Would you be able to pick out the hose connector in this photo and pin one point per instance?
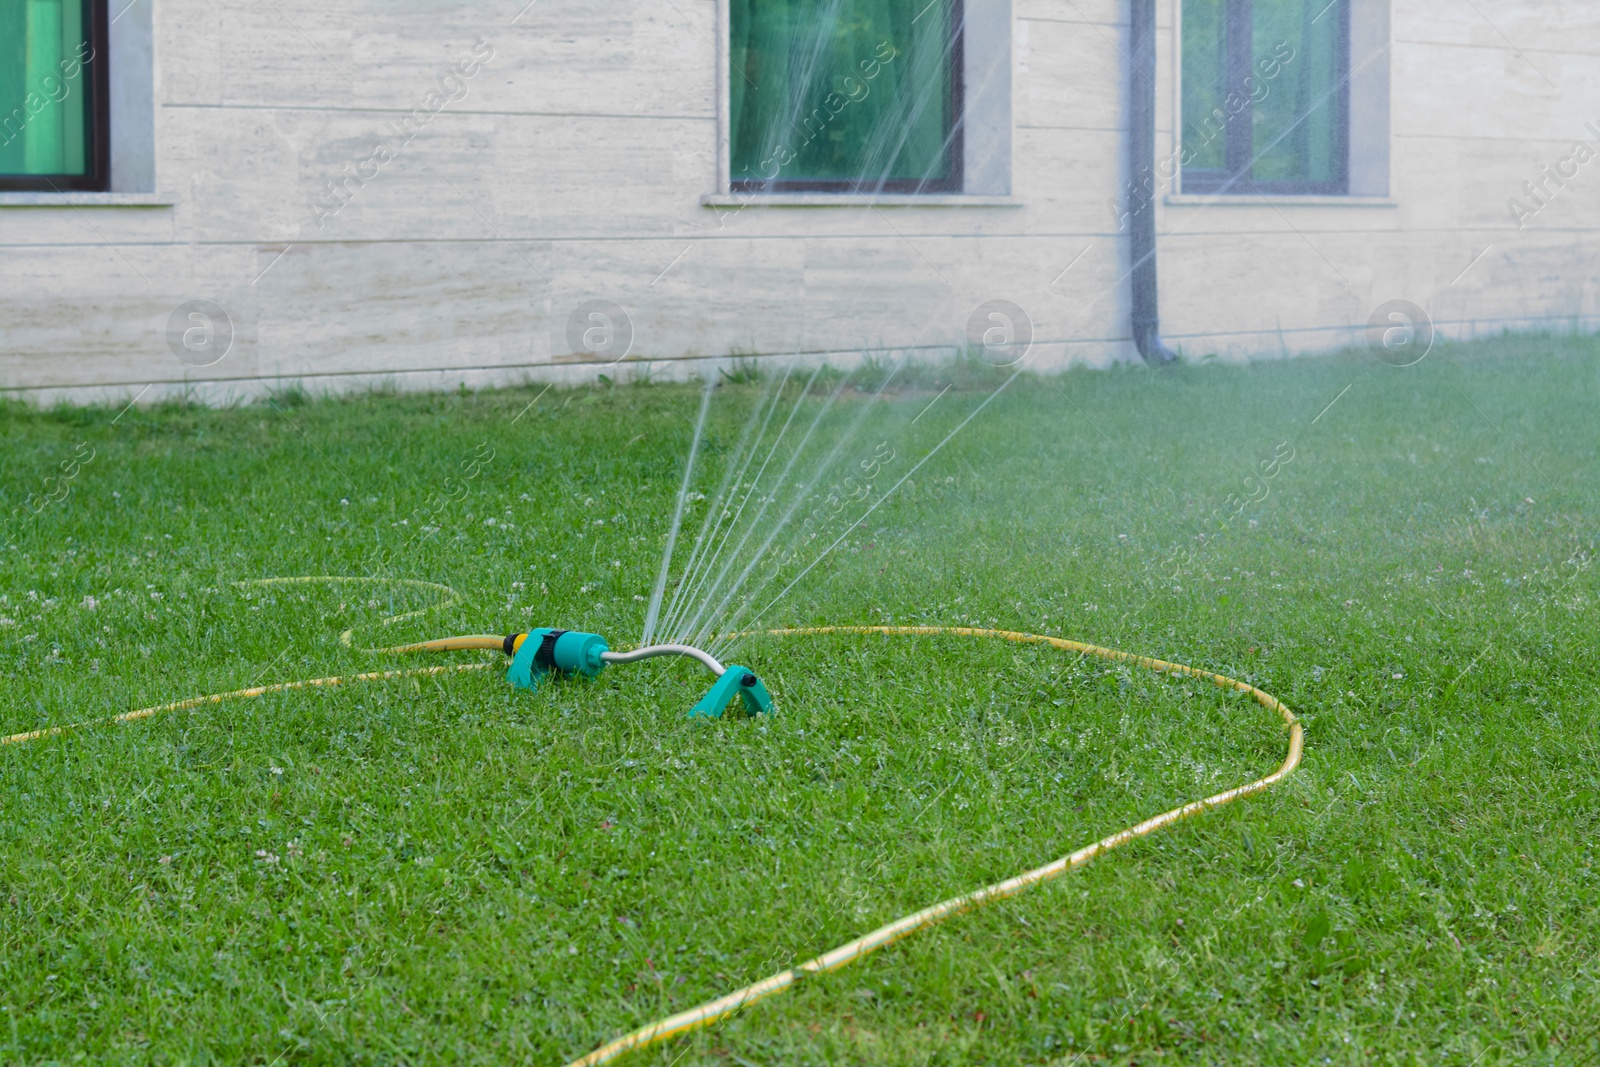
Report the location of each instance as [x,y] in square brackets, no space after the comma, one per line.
[538,652]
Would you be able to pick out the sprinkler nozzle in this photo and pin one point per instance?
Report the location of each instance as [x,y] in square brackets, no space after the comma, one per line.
[735,680]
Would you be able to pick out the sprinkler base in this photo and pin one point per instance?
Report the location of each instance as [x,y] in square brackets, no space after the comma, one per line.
[736,680]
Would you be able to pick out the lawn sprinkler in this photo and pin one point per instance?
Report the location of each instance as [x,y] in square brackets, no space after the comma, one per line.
[540,652]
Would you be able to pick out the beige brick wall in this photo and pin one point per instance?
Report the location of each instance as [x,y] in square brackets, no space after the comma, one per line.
[571,166]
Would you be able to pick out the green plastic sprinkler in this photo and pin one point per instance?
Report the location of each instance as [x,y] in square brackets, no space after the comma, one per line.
[539,652]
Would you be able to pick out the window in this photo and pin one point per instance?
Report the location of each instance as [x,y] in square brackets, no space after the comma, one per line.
[53,95]
[1266,97]
[846,96]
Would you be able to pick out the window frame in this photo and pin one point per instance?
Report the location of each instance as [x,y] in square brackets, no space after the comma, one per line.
[955,143]
[96,85]
[1239,148]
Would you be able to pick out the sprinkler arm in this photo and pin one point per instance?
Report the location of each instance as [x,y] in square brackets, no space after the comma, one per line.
[652,651]
[730,680]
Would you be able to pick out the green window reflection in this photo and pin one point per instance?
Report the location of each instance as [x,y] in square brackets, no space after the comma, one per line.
[845,95]
[51,114]
[1265,96]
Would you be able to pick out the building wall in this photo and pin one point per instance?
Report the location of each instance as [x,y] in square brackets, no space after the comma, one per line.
[571,165]
[1481,96]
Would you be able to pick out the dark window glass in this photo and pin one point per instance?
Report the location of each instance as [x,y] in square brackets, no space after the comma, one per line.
[1265,95]
[52,95]
[845,95]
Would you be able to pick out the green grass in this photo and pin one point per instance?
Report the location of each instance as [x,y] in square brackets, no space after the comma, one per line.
[445,869]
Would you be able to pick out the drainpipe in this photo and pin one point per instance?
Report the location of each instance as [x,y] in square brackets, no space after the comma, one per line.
[1142,190]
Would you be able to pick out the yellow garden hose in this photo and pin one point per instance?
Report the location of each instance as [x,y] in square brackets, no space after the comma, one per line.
[240,694]
[713,1011]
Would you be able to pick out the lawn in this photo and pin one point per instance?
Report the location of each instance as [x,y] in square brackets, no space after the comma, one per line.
[444,868]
